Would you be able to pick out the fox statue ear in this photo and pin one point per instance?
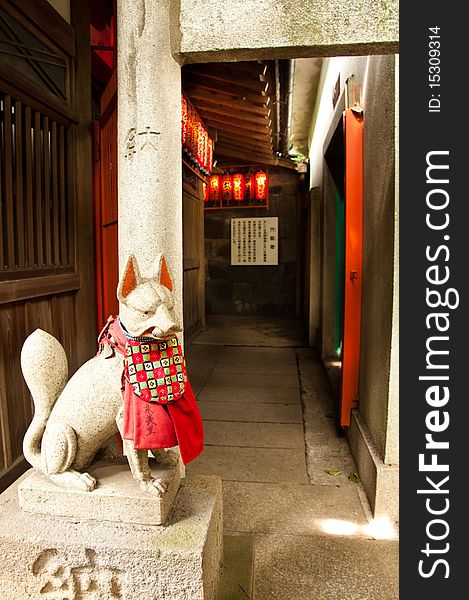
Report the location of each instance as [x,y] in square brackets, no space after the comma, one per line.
[130,279]
[162,273]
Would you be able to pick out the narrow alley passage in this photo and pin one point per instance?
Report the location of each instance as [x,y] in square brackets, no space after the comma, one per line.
[296,527]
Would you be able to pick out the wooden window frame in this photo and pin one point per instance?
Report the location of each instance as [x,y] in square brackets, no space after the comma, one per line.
[44,22]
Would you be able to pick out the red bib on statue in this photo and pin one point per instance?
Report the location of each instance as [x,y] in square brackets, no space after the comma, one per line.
[160,409]
[156,370]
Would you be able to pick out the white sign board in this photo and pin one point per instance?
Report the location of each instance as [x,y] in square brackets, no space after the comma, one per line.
[254,241]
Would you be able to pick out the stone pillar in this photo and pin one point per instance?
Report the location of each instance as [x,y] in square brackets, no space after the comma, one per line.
[149,139]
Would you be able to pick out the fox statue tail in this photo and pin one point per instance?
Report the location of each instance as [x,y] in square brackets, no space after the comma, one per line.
[45,370]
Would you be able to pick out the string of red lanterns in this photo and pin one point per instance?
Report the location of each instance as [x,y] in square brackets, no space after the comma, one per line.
[198,149]
[237,187]
[196,143]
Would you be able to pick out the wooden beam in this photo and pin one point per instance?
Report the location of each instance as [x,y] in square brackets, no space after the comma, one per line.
[46,190]
[245,159]
[254,71]
[244,144]
[275,125]
[28,172]
[17,290]
[240,152]
[245,148]
[286,164]
[258,108]
[252,67]
[262,137]
[230,89]
[8,180]
[257,158]
[44,16]
[222,75]
[235,153]
[14,83]
[236,120]
[240,115]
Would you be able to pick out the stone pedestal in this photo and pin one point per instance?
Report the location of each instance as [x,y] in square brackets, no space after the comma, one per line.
[117,496]
[46,556]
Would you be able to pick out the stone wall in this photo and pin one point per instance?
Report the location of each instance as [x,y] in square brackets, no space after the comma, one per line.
[260,29]
[379,197]
[255,290]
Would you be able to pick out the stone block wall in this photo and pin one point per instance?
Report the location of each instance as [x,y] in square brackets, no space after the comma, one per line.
[255,289]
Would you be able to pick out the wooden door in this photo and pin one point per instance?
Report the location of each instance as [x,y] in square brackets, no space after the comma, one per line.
[353,132]
[193,250]
[105,201]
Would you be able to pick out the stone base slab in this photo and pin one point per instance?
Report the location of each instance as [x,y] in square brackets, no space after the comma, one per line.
[380,481]
[117,496]
[45,556]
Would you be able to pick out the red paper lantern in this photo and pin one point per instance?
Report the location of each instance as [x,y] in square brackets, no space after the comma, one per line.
[227,188]
[209,155]
[184,120]
[205,190]
[208,163]
[214,192]
[249,186]
[190,120]
[238,187]
[201,145]
[205,160]
[261,185]
[194,135]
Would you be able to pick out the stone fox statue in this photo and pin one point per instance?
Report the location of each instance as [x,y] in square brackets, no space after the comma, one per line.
[137,384]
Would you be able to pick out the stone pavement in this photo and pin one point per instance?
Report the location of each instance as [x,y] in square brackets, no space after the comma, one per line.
[292,530]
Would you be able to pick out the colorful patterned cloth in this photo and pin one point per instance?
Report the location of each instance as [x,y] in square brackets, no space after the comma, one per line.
[160,409]
[156,370]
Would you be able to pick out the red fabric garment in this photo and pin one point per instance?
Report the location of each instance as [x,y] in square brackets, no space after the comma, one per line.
[151,425]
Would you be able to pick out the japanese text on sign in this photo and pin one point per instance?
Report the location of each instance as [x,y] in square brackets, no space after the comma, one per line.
[254,241]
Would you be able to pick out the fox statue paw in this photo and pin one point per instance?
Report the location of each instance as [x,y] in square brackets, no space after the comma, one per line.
[153,486]
[74,479]
[88,482]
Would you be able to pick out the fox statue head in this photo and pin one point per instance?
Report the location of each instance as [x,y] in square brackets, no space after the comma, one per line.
[147,302]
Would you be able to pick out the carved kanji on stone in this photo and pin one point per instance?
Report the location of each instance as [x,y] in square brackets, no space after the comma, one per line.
[60,580]
[138,140]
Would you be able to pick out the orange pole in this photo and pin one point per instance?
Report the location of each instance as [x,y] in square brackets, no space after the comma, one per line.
[353,123]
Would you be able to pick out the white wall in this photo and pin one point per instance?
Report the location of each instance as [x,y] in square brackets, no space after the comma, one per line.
[323,115]
[324,110]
